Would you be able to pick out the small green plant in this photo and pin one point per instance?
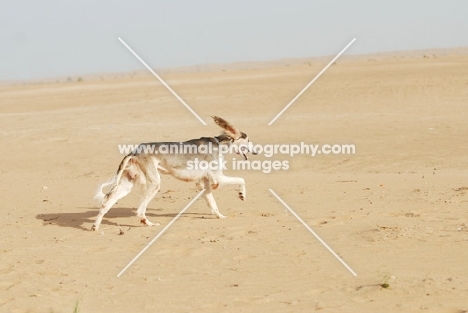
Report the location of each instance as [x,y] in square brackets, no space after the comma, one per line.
[384,281]
[79,79]
[77,307]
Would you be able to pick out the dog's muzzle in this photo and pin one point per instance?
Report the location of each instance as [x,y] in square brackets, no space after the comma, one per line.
[246,148]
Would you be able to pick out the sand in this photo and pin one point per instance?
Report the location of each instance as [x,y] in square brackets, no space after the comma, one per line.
[396,211]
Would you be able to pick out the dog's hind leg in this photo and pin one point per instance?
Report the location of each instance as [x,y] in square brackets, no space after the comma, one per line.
[153,184]
[210,198]
[151,191]
[123,188]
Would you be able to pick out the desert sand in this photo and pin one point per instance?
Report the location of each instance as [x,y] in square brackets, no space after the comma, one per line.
[396,211]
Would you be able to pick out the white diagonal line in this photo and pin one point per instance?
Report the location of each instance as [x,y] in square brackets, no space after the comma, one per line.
[311,82]
[313,233]
[162,81]
[160,233]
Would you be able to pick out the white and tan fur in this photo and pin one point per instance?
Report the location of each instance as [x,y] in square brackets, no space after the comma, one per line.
[145,169]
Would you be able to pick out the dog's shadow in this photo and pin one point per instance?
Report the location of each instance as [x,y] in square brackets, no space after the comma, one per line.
[84,219]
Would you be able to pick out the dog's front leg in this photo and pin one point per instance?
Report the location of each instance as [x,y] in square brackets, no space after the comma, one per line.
[210,198]
[227,180]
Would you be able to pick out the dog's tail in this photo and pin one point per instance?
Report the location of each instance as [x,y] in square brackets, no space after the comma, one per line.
[113,182]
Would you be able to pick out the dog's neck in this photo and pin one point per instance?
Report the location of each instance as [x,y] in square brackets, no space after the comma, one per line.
[223,139]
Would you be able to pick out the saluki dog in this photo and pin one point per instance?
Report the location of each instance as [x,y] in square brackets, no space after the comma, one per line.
[145,163]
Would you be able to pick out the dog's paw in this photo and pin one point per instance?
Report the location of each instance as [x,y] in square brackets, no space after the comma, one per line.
[241,196]
[94,228]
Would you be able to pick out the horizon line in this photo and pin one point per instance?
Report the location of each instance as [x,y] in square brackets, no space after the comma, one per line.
[214,67]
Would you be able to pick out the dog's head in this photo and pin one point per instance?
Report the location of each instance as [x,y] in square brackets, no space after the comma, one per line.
[237,138]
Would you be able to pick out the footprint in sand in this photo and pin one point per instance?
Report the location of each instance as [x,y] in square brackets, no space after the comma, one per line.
[4,286]
[5,301]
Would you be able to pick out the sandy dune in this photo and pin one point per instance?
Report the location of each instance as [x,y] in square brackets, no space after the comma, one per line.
[396,211]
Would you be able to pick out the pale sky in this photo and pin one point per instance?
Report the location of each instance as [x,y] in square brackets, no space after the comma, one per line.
[50,38]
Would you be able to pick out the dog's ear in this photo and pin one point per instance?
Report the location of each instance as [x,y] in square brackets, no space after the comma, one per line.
[230,130]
